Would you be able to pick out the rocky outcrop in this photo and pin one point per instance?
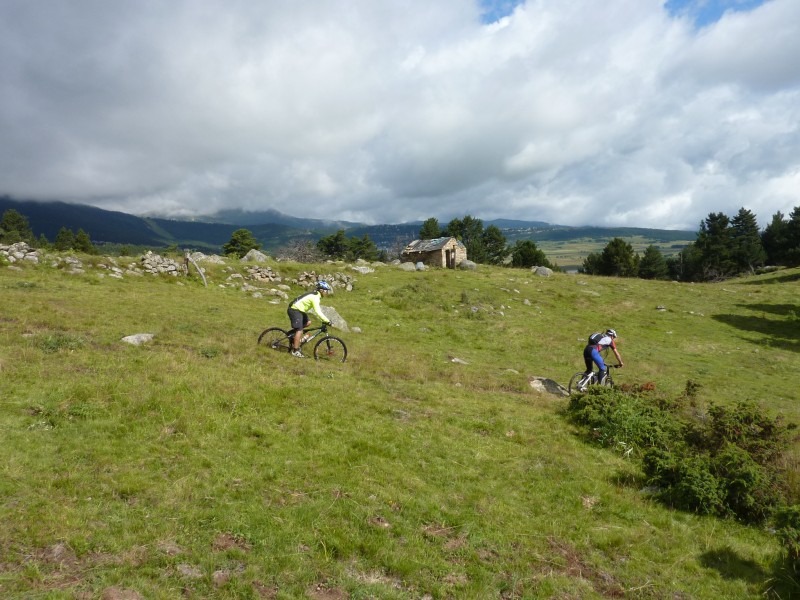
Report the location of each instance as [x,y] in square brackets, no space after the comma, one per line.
[20,252]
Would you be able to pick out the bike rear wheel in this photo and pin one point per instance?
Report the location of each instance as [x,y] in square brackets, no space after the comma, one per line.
[330,348]
[575,382]
[275,338]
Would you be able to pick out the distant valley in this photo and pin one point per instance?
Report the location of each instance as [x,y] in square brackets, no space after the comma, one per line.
[565,245]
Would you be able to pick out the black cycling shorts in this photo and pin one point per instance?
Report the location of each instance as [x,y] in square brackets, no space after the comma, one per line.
[298,318]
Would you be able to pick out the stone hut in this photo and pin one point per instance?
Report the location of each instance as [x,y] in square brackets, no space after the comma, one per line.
[444,252]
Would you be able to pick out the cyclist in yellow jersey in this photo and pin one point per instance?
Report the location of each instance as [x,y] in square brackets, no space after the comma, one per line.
[299,309]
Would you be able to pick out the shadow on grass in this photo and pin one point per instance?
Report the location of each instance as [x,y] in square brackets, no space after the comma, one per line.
[779,279]
[732,566]
[783,332]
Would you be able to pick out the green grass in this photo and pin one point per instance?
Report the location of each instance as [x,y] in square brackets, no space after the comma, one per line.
[202,465]
[570,254]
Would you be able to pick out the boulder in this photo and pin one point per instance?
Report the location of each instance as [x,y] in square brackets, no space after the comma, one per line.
[548,386]
[137,339]
[255,256]
[467,265]
[336,320]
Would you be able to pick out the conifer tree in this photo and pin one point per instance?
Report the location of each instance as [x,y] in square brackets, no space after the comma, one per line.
[714,243]
[14,228]
[653,265]
[83,243]
[747,250]
[65,239]
[241,242]
[775,239]
[430,229]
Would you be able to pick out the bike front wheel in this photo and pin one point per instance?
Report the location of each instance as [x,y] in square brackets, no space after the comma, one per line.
[275,338]
[575,383]
[330,348]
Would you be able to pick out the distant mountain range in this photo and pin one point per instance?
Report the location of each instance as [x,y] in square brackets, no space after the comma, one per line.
[271,228]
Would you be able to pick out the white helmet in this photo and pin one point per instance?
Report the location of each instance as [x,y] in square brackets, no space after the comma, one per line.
[611,333]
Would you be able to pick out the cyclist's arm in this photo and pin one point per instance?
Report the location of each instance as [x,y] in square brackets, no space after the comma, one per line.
[318,309]
[616,353]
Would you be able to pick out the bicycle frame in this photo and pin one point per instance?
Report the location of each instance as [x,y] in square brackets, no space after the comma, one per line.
[304,340]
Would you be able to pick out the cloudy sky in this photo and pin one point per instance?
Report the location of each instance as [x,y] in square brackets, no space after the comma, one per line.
[649,113]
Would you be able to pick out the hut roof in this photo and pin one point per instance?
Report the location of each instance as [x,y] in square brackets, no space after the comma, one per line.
[430,245]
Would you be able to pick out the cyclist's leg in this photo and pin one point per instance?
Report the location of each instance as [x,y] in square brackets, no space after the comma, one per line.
[598,360]
[299,320]
[588,360]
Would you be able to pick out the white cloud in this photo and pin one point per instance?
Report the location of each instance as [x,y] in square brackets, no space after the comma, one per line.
[568,112]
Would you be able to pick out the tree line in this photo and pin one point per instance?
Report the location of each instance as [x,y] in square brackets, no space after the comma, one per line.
[725,247]
[14,228]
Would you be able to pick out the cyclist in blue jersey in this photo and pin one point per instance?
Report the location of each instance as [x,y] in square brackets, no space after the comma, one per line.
[591,353]
[299,309]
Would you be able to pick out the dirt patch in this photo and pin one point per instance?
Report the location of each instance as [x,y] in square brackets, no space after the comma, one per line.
[117,593]
[574,566]
[321,591]
[228,541]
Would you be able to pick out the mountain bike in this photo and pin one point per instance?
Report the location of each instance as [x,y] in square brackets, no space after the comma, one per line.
[580,381]
[327,348]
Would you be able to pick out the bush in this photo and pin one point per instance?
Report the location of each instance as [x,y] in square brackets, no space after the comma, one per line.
[630,421]
[725,461]
[787,524]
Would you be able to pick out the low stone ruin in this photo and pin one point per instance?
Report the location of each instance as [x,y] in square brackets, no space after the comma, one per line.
[19,251]
[339,280]
[155,263]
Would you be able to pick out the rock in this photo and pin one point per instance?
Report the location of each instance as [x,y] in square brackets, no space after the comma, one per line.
[138,339]
[467,265]
[255,256]
[407,266]
[363,270]
[545,385]
[336,320]
[542,271]
[420,266]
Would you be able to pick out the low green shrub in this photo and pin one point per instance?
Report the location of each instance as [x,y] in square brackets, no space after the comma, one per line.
[724,461]
[787,525]
[624,420]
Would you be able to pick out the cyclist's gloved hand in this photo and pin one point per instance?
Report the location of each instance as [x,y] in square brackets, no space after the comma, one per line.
[325,326]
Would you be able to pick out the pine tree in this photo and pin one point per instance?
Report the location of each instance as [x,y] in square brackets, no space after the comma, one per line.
[430,229]
[793,238]
[14,228]
[747,249]
[241,242]
[526,254]
[83,243]
[619,259]
[775,239]
[653,265]
[714,242]
[334,246]
[495,246]
[65,239]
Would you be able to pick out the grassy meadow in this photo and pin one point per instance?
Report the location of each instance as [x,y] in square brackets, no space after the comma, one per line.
[201,465]
[570,254]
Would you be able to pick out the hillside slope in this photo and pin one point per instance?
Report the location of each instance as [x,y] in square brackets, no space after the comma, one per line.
[204,465]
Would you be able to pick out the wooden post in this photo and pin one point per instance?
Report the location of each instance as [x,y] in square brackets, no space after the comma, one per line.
[188,259]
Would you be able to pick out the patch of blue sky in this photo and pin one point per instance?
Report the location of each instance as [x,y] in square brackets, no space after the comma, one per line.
[494,10]
[706,12]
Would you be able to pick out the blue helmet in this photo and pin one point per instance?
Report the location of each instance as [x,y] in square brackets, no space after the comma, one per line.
[324,285]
